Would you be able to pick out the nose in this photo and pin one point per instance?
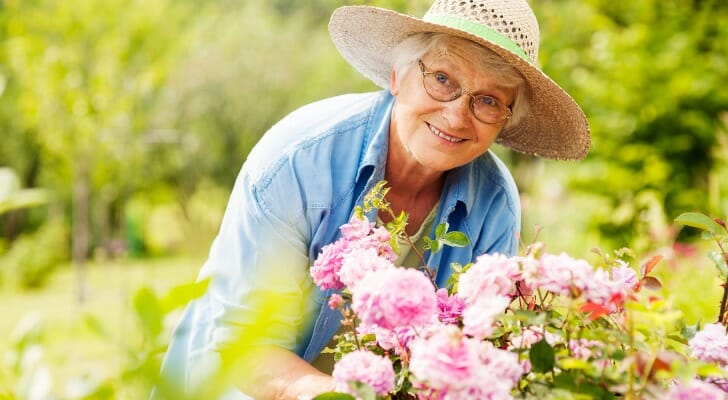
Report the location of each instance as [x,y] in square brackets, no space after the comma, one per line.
[457,112]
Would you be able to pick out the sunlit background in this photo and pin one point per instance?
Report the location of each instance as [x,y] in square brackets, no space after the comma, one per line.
[124,123]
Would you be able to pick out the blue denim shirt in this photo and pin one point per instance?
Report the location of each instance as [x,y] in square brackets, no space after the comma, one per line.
[299,184]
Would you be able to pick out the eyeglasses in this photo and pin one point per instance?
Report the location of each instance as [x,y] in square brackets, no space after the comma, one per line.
[486,109]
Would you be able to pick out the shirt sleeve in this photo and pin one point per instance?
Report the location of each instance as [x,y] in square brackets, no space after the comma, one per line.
[260,289]
[500,230]
[505,234]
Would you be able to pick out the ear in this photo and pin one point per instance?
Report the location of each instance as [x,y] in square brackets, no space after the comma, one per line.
[394,83]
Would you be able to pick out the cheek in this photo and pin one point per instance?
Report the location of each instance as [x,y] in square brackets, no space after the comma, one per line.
[418,108]
[487,137]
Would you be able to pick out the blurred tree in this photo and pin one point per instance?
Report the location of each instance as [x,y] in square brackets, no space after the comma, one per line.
[82,75]
[14,197]
[102,101]
[253,69]
[649,75]
[321,9]
[231,89]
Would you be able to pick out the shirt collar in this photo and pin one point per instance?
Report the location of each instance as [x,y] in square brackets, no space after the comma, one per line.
[374,157]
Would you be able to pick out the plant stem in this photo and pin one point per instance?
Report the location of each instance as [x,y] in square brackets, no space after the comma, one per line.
[722,317]
[356,339]
[722,311]
[631,372]
[350,322]
[430,272]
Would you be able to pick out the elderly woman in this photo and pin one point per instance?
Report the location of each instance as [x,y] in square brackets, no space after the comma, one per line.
[457,81]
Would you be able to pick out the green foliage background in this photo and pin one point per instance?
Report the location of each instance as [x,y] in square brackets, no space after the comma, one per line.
[134,118]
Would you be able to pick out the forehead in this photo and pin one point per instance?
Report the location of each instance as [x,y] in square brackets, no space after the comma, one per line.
[467,55]
[460,50]
[467,69]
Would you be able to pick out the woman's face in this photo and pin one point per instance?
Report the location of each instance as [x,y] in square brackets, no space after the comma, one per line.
[443,135]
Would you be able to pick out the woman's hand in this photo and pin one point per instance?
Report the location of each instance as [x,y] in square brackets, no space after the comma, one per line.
[278,374]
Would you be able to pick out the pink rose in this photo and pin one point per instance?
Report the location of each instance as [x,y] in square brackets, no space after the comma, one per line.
[478,318]
[358,262]
[395,297]
[335,301]
[366,367]
[491,274]
[450,307]
[710,344]
[695,390]
[325,269]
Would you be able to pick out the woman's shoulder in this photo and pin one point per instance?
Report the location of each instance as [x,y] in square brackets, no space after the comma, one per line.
[341,107]
[495,185]
[492,171]
[342,112]
[338,121]
[315,158]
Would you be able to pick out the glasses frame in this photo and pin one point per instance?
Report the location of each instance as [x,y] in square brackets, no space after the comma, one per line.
[425,72]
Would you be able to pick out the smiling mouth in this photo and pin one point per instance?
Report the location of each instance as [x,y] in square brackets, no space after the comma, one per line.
[440,134]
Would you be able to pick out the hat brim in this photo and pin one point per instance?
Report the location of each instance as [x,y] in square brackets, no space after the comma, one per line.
[555,127]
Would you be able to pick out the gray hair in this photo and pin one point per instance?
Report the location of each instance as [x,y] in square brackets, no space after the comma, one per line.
[414,47]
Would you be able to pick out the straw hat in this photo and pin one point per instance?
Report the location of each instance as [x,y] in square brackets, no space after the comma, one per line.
[555,127]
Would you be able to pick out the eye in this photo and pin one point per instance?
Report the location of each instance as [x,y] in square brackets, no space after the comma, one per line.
[487,101]
[442,78]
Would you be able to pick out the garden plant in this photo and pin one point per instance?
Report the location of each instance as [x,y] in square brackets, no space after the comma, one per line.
[536,325]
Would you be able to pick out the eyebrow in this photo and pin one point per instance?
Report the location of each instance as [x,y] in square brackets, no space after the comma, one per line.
[447,64]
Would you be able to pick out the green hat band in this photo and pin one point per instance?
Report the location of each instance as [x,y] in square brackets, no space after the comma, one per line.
[479,30]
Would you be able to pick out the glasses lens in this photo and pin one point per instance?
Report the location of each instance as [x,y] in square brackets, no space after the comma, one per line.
[440,87]
[488,109]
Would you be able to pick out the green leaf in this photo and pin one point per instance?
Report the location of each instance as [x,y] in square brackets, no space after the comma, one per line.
[363,391]
[400,221]
[359,212]
[689,331]
[93,323]
[574,363]
[456,239]
[719,262]
[434,246]
[394,243]
[441,229]
[710,370]
[618,355]
[566,381]
[23,198]
[577,388]
[678,338]
[594,391]
[700,221]
[334,396]
[542,357]
[149,311]
[530,317]
[456,267]
[181,295]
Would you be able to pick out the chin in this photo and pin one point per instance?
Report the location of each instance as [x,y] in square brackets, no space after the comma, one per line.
[437,166]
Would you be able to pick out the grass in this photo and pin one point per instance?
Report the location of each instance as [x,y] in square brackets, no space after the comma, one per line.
[70,346]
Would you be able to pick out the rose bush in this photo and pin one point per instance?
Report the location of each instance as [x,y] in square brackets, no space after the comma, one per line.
[537,325]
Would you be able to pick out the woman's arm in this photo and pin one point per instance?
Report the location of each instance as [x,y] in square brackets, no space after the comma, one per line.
[263,299]
[270,372]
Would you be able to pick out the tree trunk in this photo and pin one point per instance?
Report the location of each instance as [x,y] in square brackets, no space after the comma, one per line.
[81,228]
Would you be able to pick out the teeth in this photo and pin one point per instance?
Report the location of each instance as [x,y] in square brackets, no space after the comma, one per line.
[444,136]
